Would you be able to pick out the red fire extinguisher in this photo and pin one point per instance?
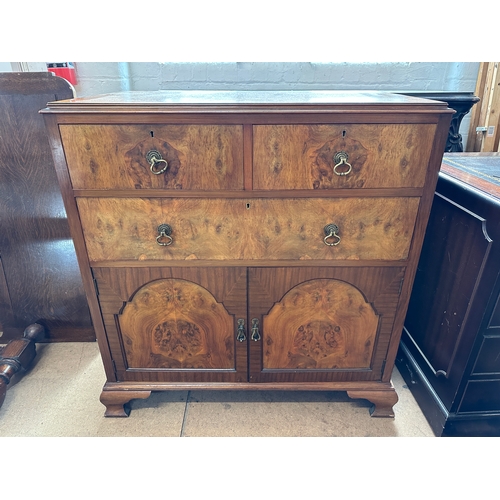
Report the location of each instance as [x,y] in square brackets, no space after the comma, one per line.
[65,70]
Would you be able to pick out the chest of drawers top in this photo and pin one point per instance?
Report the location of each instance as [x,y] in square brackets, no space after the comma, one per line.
[238,100]
[247,140]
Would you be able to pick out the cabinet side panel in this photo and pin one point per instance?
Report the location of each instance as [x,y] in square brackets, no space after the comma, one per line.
[38,255]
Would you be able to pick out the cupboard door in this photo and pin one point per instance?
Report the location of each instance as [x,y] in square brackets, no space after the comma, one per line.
[175,324]
[321,324]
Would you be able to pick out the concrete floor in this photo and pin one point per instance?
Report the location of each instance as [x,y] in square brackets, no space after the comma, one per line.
[59,397]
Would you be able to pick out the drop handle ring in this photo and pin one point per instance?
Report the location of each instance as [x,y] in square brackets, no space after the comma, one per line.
[240,333]
[157,164]
[255,330]
[341,158]
[164,239]
[331,231]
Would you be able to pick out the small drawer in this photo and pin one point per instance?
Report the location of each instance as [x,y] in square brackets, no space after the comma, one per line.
[193,157]
[488,358]
[481,396]
[341,156]
[254,229]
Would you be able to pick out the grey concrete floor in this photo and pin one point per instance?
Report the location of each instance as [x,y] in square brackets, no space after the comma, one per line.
[59,397]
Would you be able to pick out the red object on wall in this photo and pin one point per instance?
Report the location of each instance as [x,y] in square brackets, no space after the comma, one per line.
[65,70]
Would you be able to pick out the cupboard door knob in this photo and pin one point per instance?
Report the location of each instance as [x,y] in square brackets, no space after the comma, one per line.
[240,334]
[331,231]
[341,158]
[164,239]
[157,164]
[255,330]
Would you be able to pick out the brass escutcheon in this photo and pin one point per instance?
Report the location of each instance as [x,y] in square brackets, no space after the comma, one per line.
[164,239]
[341,158]
[331,231]
[154,158]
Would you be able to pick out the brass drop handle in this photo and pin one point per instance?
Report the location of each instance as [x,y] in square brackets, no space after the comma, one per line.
[331,231]
[164,239]
[255,330]
[240,333]
[157,164]
[340,159]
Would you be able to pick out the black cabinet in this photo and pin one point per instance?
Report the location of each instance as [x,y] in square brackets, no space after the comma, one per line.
[450,349]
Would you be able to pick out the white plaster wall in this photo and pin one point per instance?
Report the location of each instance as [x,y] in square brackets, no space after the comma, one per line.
[98,78]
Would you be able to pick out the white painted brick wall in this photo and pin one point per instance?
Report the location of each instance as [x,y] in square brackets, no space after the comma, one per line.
[99,78]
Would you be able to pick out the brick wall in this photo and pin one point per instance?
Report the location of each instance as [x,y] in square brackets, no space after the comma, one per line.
[99,78]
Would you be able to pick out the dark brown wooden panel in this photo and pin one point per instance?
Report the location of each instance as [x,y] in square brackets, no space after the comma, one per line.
[488,359]
[481,395]
[41,273]
[439,331]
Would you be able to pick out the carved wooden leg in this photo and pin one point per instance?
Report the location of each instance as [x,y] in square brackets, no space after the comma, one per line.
[383,400]
[17,355]
[116,402]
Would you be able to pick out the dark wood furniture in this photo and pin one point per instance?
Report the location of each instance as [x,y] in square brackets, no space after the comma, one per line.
[248,240]
[462,103]
[39,276]
[450,348]
[17,356]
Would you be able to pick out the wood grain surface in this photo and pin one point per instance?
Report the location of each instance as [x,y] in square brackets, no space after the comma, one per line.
[302,156]
[114,156]
[249,189]
[40,279]
[296,304]
[175,323]
[223,289]
[320,324]
[221,229]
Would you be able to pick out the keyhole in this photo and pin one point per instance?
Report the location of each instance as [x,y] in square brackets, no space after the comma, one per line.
[152,133]
[248,206]
[344,133]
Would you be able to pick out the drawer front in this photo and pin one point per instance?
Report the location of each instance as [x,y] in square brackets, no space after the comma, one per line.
[235,229]
[481,396]
[197,157]
[311,156]
[488,359]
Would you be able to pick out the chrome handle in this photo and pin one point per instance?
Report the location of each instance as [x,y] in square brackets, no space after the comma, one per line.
[154,159]
[331,231]
[341,158]
[164,239]
[240,334]
[255,330]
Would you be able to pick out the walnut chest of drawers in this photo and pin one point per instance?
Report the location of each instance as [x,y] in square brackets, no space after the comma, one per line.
[248,240]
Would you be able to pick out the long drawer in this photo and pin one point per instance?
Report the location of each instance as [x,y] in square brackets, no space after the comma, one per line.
[129,229]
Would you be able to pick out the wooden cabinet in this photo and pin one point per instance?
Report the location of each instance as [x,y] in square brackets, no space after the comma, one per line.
[40,280]
[251,240]
[450,349]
